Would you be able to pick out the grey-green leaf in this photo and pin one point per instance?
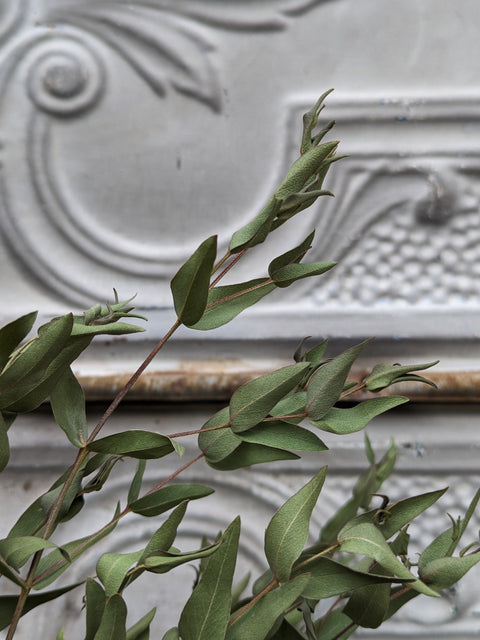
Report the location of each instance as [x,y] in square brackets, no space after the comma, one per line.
[136,484]
[12,334]
[16,551]
[140,630]
[164,499]
[248,454]
[289,274]
[8,604]
[114,619]
[68,406]
[443,573]
[365,539]
[255,622]
[206,613]
[226,302]
[113,567]
[95,605]
[287,531]
[253,401]
[283,435]
[134,444]
[343,421]
[384,375]
[326,384]
[368,606]
[191,282]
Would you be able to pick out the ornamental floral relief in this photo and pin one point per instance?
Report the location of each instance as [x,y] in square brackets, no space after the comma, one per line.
[78,86]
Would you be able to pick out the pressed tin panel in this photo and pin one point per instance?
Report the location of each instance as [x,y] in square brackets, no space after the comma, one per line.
[130,131]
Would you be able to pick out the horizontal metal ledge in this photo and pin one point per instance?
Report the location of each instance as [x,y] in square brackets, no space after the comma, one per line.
[217,380]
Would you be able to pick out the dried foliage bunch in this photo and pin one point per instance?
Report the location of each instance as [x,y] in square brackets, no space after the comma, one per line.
[357,574]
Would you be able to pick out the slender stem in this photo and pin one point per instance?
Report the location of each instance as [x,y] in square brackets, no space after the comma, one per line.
[221,262]
[357,387]
[286,417]
[259,595]
[177,472]
[194,432]
[332,607]
[126,388]
[227,268]
[317,555]
[347,628]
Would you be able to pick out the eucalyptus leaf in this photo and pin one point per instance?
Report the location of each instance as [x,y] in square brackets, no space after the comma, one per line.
[326,384]
[139,631]
[114,619]
[164,537]
[253,401]
[226,302]
[445,572]
[13,333]
[287,531]
[168,560]
[330,578]
[304,168]
[248,454]
[113,567]
[291,405]
[336,622]
[289,274]
[256,230]
[8,604]
[16,551]
[291,257]
[140,444]
[68,406]
[344,421]
[383,375]
[365,539]
[164,499]
[95,601]
[4,444]
[191,283]
[283,435]
[136,484]
[206,613]
[172,634]
[254,622]
[368,606]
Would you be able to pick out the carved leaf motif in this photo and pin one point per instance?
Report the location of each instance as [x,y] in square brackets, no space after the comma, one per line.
[161,40]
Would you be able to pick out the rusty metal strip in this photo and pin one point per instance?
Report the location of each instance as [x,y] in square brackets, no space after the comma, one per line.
[197,382]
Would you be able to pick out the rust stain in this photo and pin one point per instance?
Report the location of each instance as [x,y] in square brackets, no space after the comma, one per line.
[217,380]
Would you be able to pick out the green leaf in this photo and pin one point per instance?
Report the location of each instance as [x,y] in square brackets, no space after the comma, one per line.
[110,329]
[95,601]
[334,624]
[288,530]
[443,573]
[291,405]
[140,629]
[12,334]
[248,454]
[172,634]
[367,540]
[16,551]
[191,282]
[8,604]
[136,484]
[55,562]
[114,619]
[164,499]
[32,364]
[226,302]
[283,435]
[206,613]
[292,256]
[368,606]
[6,572]
[343,421]
[304,168]
[253,401]
[256,230]
[310,120]
[168,560]
[400,513]
[286,276]
[113,567]
[255,622]
[164,537]
[61,634]
[4,444]
[326,384]
[144,445]
[330,578]
[383,375]
[68,406]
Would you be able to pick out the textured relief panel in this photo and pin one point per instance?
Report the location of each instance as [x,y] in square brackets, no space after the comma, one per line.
[83,205]
[405,222]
